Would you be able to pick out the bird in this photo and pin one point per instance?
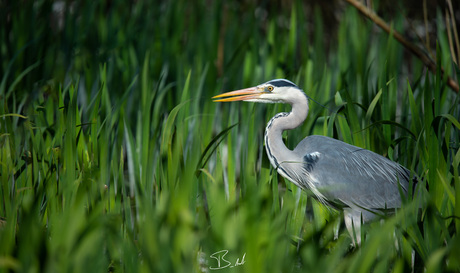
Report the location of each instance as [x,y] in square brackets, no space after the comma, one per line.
[339,175]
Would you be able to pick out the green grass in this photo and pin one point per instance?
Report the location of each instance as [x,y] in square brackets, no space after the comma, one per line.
[114,158]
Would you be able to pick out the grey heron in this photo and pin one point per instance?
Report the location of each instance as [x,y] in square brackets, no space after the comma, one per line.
[338,174]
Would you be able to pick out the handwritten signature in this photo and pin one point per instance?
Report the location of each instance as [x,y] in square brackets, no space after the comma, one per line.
[222,262]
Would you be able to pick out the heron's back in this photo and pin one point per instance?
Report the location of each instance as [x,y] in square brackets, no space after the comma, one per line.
[349,175]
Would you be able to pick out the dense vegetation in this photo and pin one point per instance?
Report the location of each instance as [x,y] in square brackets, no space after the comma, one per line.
[114,158]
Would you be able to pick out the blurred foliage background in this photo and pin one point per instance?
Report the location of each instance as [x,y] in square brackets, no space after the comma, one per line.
[114,158]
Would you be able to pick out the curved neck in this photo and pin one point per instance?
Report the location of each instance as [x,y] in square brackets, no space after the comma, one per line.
[276,149]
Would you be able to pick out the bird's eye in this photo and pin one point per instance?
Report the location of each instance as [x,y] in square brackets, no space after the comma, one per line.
[270,88]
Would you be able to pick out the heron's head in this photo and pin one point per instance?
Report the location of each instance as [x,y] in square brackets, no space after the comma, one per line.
[274,91]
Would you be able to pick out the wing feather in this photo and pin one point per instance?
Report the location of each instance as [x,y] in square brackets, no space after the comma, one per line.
[341,173]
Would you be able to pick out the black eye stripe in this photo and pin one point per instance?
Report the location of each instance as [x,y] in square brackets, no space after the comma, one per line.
[281,83]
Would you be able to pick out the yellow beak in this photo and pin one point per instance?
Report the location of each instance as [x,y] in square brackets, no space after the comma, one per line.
[238,95]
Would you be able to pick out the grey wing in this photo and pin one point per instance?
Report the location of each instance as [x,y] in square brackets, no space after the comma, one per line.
[349,175]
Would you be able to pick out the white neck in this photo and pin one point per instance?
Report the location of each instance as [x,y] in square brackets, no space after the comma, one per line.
[276,149]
